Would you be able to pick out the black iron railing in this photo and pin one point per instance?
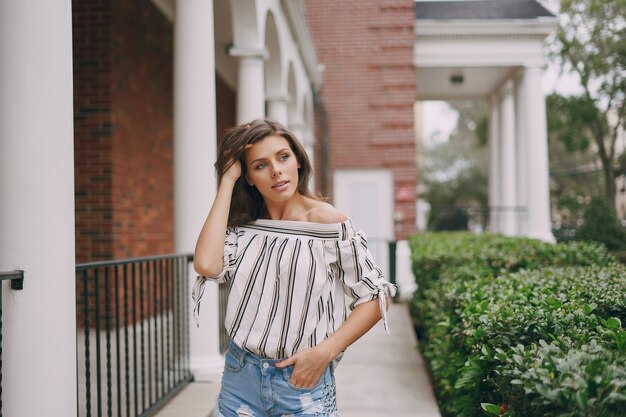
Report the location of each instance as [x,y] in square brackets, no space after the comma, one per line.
[17,283]
[132,334]
[224,290]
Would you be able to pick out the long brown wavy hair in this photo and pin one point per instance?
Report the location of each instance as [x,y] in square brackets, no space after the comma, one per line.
[247,203]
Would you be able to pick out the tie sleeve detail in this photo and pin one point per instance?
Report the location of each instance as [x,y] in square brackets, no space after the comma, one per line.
[385,290]
[361,278]
[230,263]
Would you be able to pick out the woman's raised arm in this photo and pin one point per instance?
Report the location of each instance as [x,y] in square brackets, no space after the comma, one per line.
[209,253]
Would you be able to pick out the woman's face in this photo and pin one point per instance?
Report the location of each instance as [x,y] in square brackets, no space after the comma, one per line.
[273,168]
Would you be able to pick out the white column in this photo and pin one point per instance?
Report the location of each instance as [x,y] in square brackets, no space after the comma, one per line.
[507,157]
[194,156]
[538,183]
[309,146]
[251,83]
[494,166]
[520,158]
[299,129]
[277,107]
[37,208]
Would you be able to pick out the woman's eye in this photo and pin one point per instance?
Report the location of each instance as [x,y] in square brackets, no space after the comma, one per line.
[260,166]
[284,156]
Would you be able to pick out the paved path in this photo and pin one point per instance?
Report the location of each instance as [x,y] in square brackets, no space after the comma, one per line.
[384,375]
[379,376]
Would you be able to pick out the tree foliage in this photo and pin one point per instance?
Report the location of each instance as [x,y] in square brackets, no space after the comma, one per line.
[570,120]
[601,225]
[591,41]
[575,175]
[455,172]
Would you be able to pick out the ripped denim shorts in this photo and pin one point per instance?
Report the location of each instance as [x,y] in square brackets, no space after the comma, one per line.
[253,387]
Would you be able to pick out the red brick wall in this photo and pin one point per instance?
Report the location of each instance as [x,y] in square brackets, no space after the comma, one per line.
[226,105]
[142,157]
[123,104]
[369,88]
[91,30]
[123,130]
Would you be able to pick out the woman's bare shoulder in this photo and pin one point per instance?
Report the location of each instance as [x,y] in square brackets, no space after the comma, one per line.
[323,212]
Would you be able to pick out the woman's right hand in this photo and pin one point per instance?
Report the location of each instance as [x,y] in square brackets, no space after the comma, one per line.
[233,172]
[209,252]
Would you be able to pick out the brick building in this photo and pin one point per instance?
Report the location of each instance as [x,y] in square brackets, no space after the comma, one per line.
[123,128]
[366,49]
[124,110]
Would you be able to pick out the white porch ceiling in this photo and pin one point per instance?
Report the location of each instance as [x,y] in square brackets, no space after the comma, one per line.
[481,54]
[436,83]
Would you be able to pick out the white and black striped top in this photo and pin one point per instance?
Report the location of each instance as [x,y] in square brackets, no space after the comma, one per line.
[292,283]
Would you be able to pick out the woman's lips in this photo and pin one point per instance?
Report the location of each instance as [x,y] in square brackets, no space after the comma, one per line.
[280,186]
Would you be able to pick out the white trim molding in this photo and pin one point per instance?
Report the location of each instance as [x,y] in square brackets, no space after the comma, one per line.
[517,28]
[294,12]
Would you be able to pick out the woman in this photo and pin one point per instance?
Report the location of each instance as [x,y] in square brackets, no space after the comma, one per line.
[294,264]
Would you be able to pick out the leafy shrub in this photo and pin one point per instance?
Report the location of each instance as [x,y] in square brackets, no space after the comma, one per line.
[551,344]
[601,225]
[506,340]
[465,256]
[564,233]
[565,381]
[434,252]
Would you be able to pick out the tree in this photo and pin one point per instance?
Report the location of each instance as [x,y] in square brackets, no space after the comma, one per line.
[601,225]
[454,171]
[591,41]
[575,174]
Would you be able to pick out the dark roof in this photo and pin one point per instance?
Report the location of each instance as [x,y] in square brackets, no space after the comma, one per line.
[480,9]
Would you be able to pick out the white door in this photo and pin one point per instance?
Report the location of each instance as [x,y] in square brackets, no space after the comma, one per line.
[366,196]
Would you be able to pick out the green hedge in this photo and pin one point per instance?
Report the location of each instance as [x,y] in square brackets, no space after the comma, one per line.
[464,256]
[433,253]
[544,341]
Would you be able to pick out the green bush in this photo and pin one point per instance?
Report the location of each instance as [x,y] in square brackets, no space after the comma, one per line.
[601,225]
[466,255]
[548,342]
[512,341]
[434,252]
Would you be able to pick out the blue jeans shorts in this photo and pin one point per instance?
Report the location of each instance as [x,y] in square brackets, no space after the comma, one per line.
[253,387]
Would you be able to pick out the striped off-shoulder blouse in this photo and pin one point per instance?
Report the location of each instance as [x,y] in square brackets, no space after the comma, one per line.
[292,283]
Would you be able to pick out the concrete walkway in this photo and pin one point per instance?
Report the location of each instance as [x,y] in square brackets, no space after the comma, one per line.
[380,375]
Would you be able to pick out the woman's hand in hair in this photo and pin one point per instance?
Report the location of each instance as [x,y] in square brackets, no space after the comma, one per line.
[233,172]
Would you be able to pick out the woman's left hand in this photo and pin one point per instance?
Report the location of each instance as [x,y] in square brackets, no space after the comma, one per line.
[308,365]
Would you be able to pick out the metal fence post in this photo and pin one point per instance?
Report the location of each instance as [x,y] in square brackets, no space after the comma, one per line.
[392,244]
